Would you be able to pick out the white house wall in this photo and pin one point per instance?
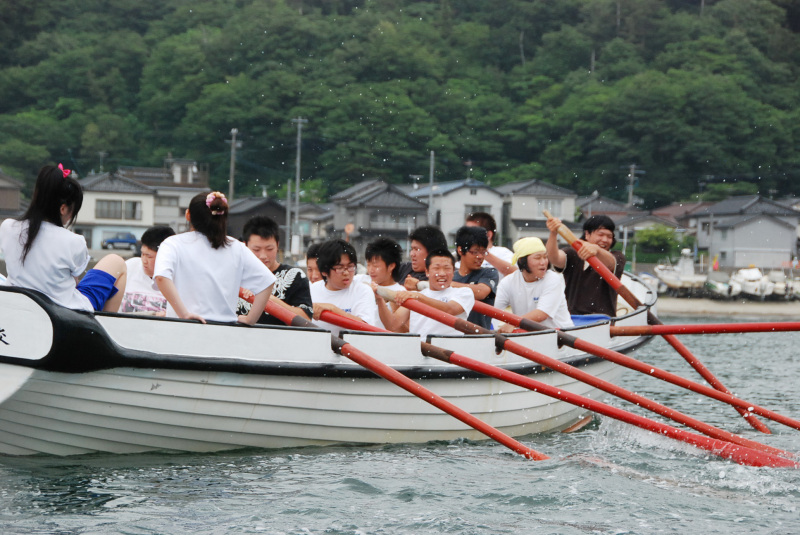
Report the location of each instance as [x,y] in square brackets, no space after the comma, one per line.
[454,204]
[763,243]
[100,227]
[530,207]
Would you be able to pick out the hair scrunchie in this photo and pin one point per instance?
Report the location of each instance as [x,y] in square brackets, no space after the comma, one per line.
[210,199]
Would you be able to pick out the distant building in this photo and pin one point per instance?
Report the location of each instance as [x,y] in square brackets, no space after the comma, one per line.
[375,208]
[113,204]
[174,184]
[10,197]
[596,204]
[523,209]
[242,209]
[453,200]
[748,229]
[681,213]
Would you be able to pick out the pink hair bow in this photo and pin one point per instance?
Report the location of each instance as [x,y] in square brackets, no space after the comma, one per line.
[65,171]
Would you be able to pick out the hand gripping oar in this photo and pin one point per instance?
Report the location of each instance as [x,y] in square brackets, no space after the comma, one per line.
[737,453]
[359,357]
[629,362]
[631,299]
[504,342]
[706,328]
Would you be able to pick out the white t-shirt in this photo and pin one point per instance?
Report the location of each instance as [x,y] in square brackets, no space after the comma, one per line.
[423,325]
[56,258]
[208,279]
[142,295]
[546,294]
[357,299]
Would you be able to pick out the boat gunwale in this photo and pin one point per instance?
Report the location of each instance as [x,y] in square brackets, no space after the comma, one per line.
[107,354]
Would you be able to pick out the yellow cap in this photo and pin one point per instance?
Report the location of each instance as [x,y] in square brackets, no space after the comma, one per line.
[527,246]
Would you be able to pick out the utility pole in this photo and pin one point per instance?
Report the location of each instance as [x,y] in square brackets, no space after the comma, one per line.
[299,121]
[430,194]
[632,172]
[234,145]
[102,155]
[287,245]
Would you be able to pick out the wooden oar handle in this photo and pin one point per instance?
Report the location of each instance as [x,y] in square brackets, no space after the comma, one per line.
[564,231]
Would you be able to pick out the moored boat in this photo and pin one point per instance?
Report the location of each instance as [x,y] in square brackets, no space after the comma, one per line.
[783,285]
[753,282]
[73,382]
[681,279]
[719,285]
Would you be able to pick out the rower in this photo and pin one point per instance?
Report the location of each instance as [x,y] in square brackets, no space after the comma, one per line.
[336,292]
[586,291]
[441,295]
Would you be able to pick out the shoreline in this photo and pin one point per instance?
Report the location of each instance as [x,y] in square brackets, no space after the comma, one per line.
[689,306]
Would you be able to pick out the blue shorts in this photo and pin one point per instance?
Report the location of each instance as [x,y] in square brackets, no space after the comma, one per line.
[98,287]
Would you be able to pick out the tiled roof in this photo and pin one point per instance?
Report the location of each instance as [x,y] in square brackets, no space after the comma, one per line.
[632,219]
[735,221]
[377,194]
[533,187]
[443,188]
[109,183]
[747,204]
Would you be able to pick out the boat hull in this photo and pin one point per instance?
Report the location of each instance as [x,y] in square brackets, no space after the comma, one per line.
[84,383]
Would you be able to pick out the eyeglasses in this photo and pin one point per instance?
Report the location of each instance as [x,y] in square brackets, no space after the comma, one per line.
[340,269]
[477,252]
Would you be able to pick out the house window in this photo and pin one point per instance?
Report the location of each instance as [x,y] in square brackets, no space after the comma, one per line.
[166,201]
[108,210]
[724,234]
[723,255]
[473,191]
[705,226]
[133,210]
[472,208]
[551,205]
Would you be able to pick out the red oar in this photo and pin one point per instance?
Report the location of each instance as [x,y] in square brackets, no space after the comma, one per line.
[737,453]
[706,328]
[348,350]
[631,299]
[647,369]
[504,342]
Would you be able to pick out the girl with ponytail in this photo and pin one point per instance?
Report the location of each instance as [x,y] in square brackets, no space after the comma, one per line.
[200,271]
[43,255]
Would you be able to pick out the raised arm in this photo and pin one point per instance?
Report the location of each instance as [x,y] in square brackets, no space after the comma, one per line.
[557,257]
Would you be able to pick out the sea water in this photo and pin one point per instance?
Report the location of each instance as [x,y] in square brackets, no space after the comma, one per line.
[609,478]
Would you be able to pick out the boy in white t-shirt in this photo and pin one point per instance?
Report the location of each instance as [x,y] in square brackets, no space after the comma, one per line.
[440,267]
[384,257]
[142,295]
[534,291]
[336,292]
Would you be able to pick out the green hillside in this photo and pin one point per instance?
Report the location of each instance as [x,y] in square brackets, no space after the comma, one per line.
[570,91]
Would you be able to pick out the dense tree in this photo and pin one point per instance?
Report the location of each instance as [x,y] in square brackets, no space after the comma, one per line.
[571,91]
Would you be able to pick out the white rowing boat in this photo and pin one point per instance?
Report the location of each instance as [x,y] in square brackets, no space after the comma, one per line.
[74,383]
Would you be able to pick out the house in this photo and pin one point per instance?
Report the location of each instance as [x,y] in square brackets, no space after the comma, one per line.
[523,206]
[680,213]
[748,229]
[242,209]
[174,184]
[375,208]
[629,225]
[737,206]
[10,197]
[113,204]
[760,240]
[454,200]
[596,204]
